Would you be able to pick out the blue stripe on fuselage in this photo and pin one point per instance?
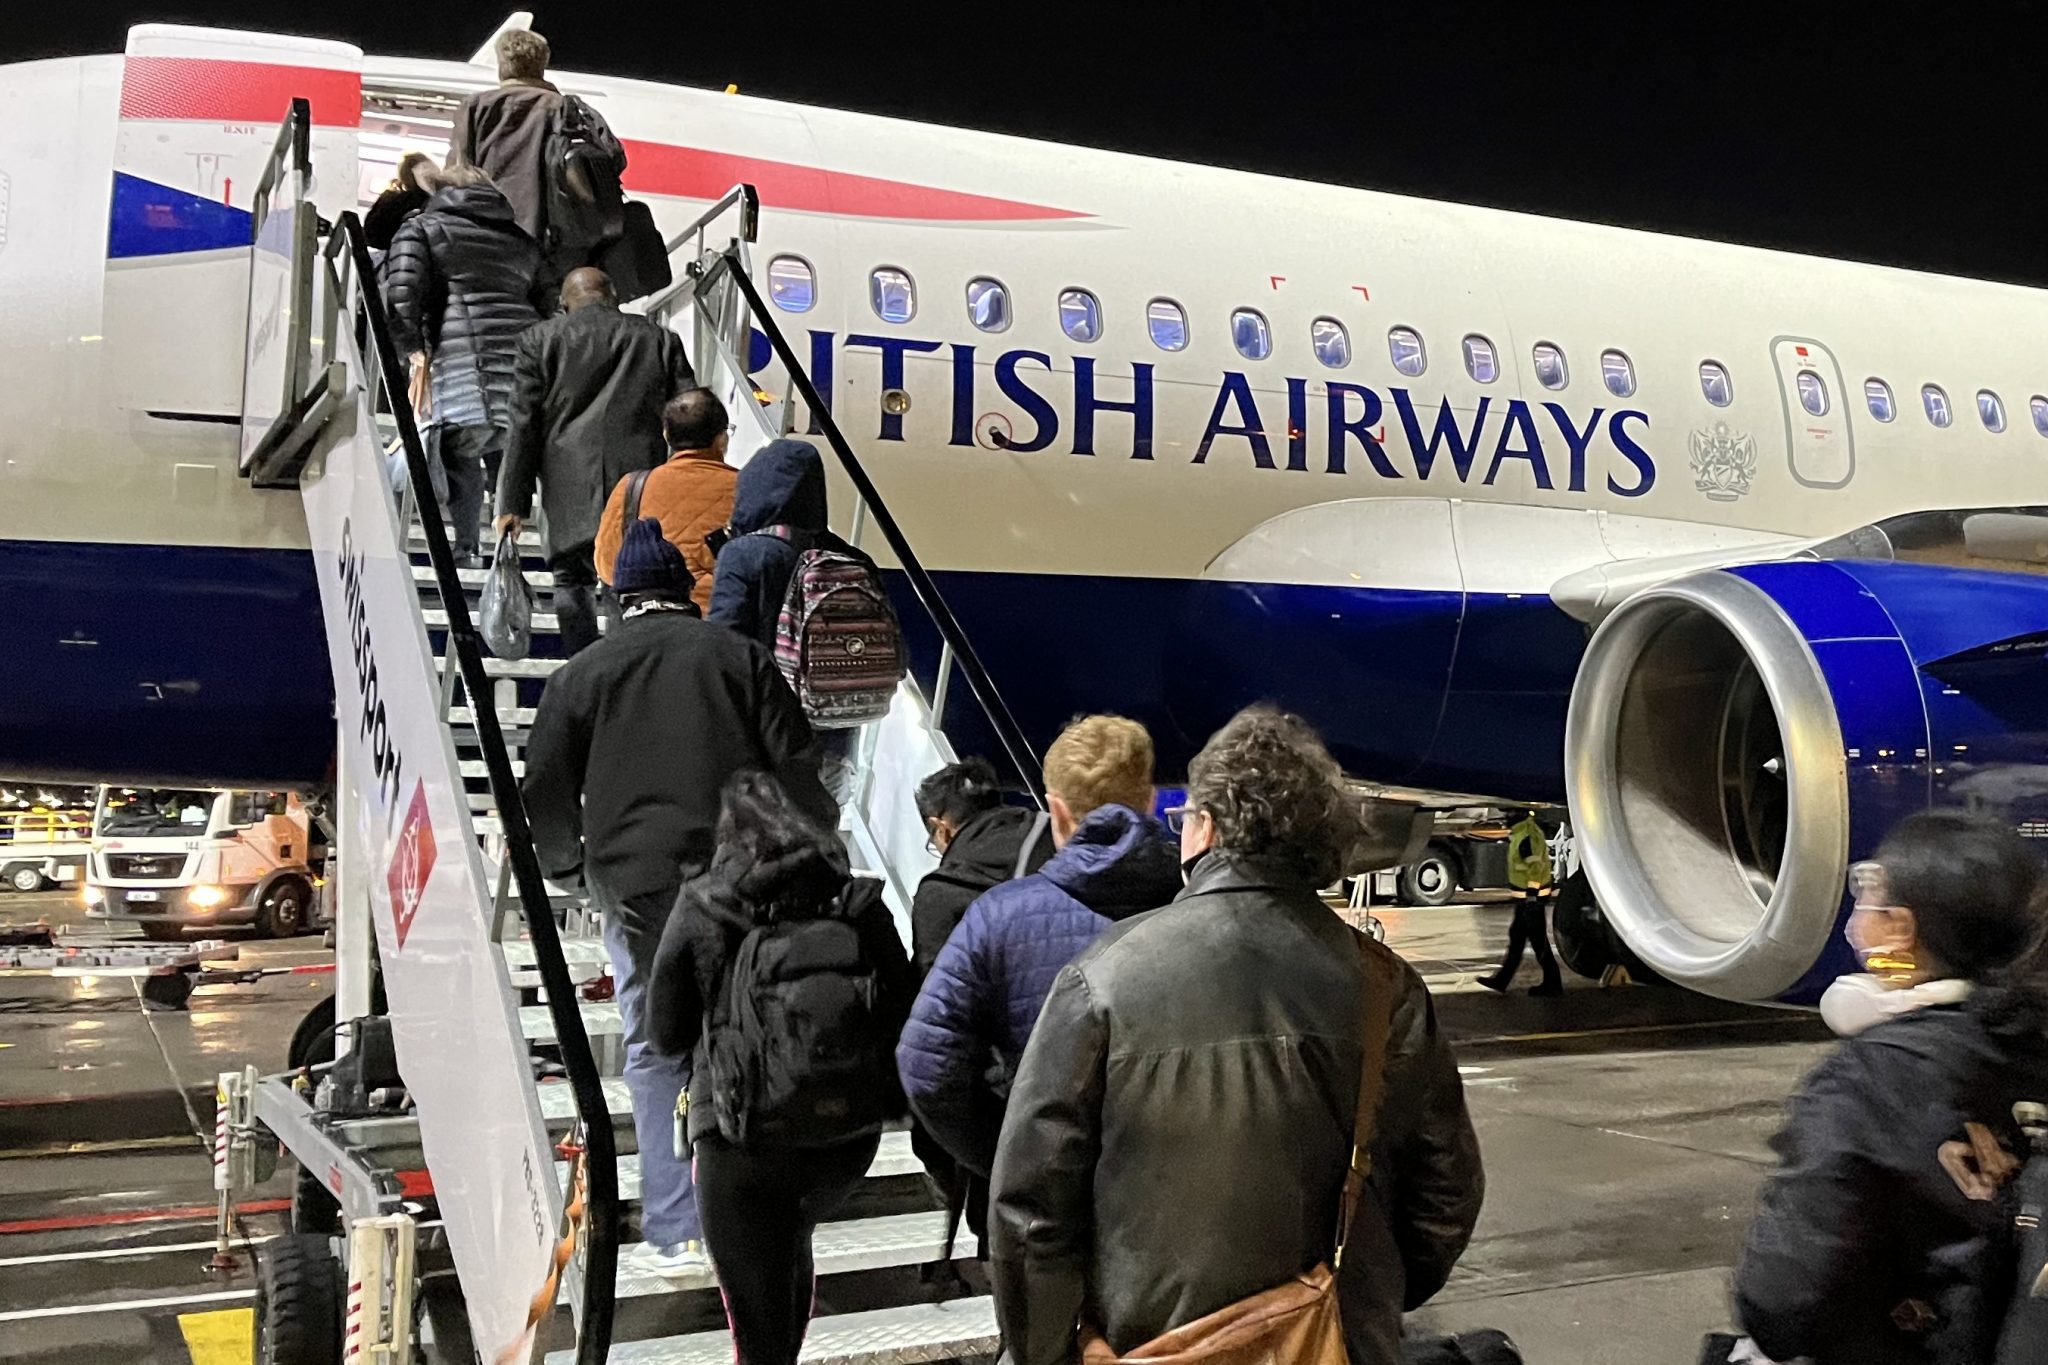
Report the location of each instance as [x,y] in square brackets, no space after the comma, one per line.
[193,665]
[148,219]
[1459,692]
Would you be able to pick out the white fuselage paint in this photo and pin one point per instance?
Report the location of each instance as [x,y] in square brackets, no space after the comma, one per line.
[75,465]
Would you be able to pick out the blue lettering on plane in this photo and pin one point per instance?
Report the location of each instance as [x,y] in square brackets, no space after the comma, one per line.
[1444,442]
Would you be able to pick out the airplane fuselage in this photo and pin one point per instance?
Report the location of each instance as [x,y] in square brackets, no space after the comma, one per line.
[1223,438]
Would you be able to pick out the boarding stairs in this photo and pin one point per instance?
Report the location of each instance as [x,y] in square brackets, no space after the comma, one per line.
[510,1055]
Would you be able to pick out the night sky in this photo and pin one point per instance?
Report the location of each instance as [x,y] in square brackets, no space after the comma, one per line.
[1893,133]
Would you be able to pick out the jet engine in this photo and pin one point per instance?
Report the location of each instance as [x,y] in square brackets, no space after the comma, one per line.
[1738,738]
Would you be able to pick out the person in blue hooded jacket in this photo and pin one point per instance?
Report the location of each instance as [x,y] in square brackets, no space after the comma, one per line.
[977,1006]
[778,512]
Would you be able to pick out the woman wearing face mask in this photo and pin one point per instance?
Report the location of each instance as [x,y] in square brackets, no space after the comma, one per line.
[1880,1239]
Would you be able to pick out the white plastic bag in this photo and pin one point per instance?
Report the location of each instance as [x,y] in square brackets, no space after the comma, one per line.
[506,614]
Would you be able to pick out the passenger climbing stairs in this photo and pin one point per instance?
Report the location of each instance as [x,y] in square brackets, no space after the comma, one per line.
[515,1157]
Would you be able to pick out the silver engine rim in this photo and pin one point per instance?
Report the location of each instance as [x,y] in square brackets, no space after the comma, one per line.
[1794,926]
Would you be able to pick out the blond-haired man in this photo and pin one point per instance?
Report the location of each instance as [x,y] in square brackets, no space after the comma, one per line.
[976,1009]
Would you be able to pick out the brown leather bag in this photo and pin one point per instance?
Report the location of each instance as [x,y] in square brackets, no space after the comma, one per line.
[1295,1323]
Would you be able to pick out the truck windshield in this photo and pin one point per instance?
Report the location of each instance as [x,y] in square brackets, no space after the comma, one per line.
[155,810]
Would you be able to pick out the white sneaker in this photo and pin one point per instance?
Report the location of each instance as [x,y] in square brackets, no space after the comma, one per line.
[683,1260]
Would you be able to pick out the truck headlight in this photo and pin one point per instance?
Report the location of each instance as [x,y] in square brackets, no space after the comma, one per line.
[91,895]
[206,897]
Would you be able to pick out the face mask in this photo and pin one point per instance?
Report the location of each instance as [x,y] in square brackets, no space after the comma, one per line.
[1855,1003]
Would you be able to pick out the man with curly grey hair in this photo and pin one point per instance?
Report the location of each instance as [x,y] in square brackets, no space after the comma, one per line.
[1179,1130]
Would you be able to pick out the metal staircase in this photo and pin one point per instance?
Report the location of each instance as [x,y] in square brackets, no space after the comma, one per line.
[516,1156]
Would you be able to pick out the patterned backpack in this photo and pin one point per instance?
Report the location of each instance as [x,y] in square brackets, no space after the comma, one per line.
[837,641]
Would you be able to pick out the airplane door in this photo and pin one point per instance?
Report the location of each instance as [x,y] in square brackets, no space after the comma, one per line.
[1819,439]
[199,113]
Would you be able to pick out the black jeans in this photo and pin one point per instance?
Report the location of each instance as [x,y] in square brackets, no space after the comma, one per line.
[575,598]
[759,1206]
[462,461]
[1531,930]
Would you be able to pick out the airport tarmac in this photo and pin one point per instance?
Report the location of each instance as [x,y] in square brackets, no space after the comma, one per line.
[1624,1130]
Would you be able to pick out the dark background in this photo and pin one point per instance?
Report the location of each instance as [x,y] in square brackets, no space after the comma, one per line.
[1910,135]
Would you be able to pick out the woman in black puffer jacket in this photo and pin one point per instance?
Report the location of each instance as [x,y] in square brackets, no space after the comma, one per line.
[458,282]
[1883,1237]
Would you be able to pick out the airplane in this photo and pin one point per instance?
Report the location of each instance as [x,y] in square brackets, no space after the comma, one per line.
[1728,550]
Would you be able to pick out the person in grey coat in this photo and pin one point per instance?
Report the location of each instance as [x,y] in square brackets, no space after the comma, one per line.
[458,283]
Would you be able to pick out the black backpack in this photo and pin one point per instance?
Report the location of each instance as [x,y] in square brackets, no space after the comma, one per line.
[583,167]
[2024,1337]
[799,1059]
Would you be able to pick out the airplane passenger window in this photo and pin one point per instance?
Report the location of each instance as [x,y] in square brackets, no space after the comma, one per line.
[988,304]
[1167,323]
[1715,383]
[893,295]
[1253,337]
[1935,399]
[1404,346]
[1480,361]
[1080,315]
[1331,342]
[1813,392]
[1550,367]
[1619,373]
[1991,408]
[790,284]
[1878,395]
[2039,406]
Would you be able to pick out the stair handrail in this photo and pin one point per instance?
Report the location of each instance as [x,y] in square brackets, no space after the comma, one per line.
[1008,732]
[601,1219]
[742,196]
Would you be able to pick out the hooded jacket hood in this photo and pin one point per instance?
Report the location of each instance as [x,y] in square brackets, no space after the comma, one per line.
[1119,863]
[783,485]
[484,204]
[984,853]
[744,888]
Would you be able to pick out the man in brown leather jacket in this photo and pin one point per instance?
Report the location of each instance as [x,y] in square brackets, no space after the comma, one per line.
[1178,1132]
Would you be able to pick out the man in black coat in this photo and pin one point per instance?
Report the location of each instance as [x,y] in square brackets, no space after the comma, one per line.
[588,386]
[458,282]
[634,740]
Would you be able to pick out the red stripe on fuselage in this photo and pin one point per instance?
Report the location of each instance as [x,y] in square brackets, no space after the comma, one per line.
[693,173]
[206,90]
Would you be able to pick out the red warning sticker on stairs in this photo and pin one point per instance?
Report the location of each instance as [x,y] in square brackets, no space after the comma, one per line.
[411,863]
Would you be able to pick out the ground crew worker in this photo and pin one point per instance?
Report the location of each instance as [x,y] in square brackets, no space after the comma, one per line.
[1529,873]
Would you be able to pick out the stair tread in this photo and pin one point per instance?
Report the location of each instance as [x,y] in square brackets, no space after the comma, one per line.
[598,1019]
[509,717]
[906,1335]
[558,1101]
[475,578]
[544,622]
[511,668]
[892,1158]
[476,767]
[575,951]
[840,1248]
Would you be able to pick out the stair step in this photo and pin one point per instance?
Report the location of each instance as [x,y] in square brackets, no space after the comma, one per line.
[416,539]
[511,668]
[509,717]
[893,1158]
[843,1248]
[576,952]
[476,767]
[598,1020]
[558,1103]
[909,1335]
[544,622]
[474,578]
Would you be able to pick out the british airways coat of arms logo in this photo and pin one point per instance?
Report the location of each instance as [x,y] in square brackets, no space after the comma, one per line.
[1723,462]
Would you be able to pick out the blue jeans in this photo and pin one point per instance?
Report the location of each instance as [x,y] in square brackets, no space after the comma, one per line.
[668,1201]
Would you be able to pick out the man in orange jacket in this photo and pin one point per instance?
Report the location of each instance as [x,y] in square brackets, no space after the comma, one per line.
[691,495]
